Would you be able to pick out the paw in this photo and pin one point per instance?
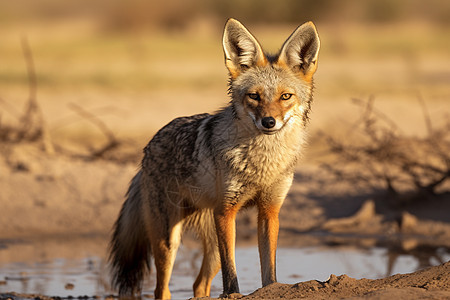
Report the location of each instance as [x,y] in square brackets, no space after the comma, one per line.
[231,296]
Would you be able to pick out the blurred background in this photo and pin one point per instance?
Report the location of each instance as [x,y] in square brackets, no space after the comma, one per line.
[90,82]
[138,64]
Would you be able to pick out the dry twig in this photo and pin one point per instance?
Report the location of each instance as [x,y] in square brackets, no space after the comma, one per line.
[112,141]
[32,126]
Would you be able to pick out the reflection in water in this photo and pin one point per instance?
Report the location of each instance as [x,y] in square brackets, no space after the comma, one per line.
[79,269]
[425,255]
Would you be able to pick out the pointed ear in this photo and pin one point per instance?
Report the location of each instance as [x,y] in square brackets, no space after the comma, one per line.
[241,49]
[300,51]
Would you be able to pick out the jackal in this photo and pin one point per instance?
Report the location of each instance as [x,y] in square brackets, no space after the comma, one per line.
[199,171]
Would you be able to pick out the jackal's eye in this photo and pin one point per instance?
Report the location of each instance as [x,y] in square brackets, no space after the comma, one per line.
[254,96]
[286,96]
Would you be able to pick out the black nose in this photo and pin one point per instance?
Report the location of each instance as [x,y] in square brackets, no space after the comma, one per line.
[268,122]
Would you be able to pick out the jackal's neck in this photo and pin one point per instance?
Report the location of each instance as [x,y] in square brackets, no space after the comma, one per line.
[254,157]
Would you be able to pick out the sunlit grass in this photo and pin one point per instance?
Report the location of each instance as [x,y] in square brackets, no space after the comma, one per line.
[157,60]
[117,61]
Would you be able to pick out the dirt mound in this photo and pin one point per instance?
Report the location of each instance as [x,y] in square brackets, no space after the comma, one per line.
[431,283]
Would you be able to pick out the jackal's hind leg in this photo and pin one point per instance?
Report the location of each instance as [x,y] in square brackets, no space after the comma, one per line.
[210,267]
[164,252]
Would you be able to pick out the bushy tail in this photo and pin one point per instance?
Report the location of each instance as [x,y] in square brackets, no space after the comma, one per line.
[130,250]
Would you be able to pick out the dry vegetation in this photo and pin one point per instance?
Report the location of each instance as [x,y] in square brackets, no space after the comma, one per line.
[377,155]
[31,126]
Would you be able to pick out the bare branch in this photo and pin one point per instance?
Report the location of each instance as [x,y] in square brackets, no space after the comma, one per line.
[10,109]
[32,126]
[112,141]
[32,81]
[426,115]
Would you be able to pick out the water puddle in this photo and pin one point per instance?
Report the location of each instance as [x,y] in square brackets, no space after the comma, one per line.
[78,268]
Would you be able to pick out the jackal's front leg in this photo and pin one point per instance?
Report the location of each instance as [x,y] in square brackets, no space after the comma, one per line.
[268,226]
[225,220]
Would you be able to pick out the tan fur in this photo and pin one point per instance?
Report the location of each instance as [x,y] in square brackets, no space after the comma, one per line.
[199,171]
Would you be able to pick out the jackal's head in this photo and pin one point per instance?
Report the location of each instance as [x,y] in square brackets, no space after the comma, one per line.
[270,90]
